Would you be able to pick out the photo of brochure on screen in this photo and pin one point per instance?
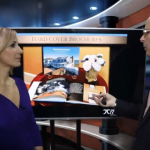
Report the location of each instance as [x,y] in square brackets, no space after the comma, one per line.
[60,90]
[61,60]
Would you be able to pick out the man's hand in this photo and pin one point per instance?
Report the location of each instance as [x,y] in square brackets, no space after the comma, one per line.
[110,100]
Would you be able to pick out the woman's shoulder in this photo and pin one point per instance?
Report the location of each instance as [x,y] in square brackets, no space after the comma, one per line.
[18,81]
[21,86]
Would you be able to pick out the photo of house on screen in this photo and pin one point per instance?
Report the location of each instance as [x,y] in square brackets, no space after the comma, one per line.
[61,61]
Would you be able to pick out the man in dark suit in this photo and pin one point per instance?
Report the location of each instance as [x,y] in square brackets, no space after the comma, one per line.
[134,111]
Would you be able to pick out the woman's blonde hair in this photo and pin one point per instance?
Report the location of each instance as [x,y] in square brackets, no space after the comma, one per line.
[7,36]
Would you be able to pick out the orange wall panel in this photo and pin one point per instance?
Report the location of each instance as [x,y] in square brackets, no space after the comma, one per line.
[134,19]
[126,126]
[86,140]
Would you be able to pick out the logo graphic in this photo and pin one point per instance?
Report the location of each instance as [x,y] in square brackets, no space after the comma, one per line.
[108,111]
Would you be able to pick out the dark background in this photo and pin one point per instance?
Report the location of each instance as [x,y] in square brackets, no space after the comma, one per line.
[44,13]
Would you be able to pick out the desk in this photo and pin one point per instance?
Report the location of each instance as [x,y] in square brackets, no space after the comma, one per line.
[120,141]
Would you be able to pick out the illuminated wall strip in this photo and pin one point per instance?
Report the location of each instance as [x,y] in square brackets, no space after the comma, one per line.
[33,75]
[27,83]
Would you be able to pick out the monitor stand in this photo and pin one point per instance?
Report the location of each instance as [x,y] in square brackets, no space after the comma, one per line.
[78,131]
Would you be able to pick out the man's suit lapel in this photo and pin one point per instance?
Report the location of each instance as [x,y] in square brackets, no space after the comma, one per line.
[142,119]
[147,115]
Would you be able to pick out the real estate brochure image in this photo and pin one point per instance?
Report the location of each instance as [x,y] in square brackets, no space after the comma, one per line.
[61,60]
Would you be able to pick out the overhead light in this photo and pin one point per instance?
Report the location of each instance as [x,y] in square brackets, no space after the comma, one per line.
[56,24]
[75,17]
[93,8]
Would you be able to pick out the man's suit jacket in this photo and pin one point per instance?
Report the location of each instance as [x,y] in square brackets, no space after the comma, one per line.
[136,112]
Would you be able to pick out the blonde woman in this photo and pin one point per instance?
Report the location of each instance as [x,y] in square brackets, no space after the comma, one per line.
[18,129]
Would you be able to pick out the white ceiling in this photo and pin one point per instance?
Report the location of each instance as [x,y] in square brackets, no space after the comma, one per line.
[121,10]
